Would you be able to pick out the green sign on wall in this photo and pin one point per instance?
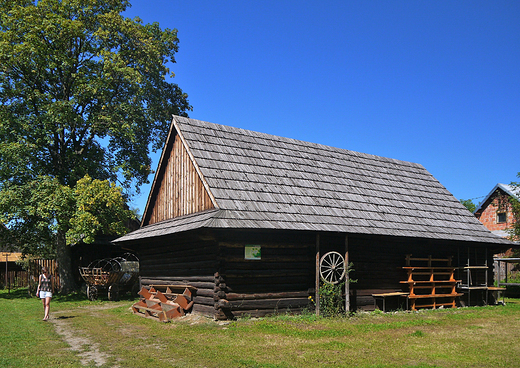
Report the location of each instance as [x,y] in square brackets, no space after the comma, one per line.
[253,252]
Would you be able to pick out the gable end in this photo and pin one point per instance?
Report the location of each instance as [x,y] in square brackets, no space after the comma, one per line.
[178,189]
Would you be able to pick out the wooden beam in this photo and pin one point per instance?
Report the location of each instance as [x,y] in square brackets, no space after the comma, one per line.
[317,295]
[347,280]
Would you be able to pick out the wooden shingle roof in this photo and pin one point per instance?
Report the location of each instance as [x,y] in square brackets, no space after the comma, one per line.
[270,182]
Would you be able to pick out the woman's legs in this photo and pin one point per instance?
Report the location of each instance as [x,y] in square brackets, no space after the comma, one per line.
[46,307]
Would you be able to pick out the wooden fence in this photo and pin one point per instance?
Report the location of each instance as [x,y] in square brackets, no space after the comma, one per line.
[29,278]
[35,269]
[14,279]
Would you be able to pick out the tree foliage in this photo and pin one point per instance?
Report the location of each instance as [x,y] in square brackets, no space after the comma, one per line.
[468,203]
[83,91]
[35,212]
[514,202]
[99,207]
[43,208]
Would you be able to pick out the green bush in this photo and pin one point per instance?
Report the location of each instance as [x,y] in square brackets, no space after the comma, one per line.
[332,296]
[332,299]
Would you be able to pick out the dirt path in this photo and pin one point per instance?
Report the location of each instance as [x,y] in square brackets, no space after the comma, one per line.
[88,351]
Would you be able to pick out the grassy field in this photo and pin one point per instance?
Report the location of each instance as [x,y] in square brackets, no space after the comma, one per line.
[106,334]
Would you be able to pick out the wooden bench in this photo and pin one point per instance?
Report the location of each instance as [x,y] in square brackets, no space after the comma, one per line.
[496,293]
[383,296]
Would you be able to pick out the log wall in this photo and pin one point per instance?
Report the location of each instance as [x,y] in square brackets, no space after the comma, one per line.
[182,259]
[229,286]
[280,282]
[378,263]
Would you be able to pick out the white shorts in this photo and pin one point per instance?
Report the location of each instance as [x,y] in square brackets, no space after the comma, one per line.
[45,294]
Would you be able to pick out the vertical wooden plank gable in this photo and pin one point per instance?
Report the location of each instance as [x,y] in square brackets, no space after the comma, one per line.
[179,189]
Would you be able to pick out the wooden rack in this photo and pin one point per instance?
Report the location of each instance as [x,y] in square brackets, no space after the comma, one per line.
[476,279]
[431,286]
[472,283]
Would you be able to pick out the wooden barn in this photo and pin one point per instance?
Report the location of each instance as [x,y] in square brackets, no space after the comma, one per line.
[244,218]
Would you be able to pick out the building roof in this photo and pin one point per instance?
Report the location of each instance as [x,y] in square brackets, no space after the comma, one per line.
[261,181]
[508,189]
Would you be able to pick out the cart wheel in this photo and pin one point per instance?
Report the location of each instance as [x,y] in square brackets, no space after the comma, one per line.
[113,292]
[332,267]
[92,292]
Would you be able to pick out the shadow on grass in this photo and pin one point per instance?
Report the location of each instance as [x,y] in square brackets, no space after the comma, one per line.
[21,293]
[65,317]
[72,297]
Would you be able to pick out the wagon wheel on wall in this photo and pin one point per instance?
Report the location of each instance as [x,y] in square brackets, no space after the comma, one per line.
[92,292]
[332,267]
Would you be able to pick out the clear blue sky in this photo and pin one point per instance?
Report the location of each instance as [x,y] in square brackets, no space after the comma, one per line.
[432,82]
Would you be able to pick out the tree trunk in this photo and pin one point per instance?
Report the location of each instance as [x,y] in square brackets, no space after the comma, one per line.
[63,256]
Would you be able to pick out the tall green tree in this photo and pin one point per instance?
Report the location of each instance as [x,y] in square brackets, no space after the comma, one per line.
[83,91]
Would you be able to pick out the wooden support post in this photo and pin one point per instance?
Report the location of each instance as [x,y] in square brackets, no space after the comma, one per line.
[468,277]
[499,265]
[317,288]
[6,279]
[347,283]
[486,273]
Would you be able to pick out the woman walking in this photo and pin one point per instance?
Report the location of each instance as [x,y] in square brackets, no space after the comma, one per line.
[45,291]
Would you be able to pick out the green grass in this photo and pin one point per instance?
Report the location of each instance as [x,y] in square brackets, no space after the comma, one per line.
[27,341]
[466,337]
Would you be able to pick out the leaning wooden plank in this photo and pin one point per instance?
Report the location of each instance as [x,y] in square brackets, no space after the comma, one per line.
[172,310]
[142,308]
[153,313]
[161,297]
[183,302]
[187,293]
[153,304]
[138,305]
[163,317]
[145,293]
[152,309]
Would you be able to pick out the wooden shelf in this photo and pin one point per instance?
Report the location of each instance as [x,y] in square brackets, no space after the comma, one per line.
[431,286]
[433,296]
[475,276]
[430,282]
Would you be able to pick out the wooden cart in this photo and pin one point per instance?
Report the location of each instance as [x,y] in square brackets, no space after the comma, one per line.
[114,275]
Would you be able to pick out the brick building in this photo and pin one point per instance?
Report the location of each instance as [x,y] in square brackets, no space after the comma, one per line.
[495,211]
[496,214]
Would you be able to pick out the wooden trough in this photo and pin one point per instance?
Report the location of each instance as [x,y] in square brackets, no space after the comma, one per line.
[166,305]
